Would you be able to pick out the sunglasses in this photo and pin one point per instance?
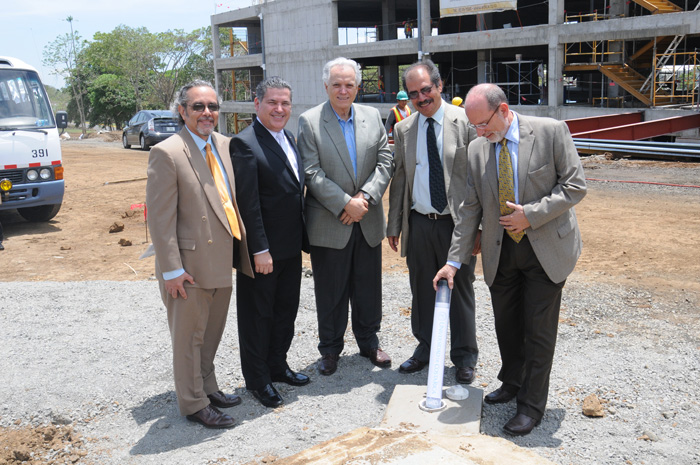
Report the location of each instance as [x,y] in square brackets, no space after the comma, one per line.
[425,91]
[199,107]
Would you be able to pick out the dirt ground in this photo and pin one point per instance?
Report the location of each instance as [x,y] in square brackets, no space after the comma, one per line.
[634,233]
[638,232]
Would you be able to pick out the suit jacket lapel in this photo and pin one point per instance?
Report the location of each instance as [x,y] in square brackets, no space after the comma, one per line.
[525,148]
[290,139]
[489,153]
[265,139]
[203,173]
[449,143]
[336,134]
[410,145]
[360,140]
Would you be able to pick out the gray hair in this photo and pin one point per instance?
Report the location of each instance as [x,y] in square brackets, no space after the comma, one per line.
[493,94]
[429,67]
[341,61]
[182,99]
[274,82]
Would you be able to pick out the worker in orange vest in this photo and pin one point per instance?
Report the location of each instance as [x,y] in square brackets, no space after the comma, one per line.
[399,112]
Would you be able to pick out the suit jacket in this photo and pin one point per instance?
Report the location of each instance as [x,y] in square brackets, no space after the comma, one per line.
[455,139]
[187,220]
[330,179]
[551,182]
[269,195]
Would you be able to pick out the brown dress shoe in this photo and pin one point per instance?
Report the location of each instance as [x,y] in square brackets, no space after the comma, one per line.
[503,394]
[378,357]
[412,365]
[211,417]
[221,400]
[465,375]
[520,425]
[328,364]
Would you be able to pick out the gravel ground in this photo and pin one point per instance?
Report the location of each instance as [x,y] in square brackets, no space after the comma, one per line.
[97,355]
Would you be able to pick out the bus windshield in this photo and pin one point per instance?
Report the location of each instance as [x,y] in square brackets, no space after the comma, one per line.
[23,101]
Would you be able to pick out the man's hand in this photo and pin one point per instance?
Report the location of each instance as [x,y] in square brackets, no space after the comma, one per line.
[477,244]
[394,243]
[515,222]
[175,285]
[447,272]
[355,209]
[263,263]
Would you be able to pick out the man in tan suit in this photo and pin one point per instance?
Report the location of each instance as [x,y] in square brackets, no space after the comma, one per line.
[524,179]
[190,188]
[348,166]
[424,222]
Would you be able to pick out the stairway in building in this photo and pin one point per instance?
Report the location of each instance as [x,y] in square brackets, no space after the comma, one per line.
[632,81]
[659,6]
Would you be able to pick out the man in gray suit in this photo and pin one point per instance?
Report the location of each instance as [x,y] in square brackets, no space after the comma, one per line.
[197,232]
[524,179]
[422,209]
[348,166]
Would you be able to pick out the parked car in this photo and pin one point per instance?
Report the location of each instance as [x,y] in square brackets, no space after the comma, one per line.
[148,127]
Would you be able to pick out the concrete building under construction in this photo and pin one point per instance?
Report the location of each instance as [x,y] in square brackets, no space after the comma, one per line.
[560,58]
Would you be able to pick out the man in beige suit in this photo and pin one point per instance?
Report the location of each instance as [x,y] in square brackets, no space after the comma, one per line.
[424,217]
[524,179]
[347,163]
[190,188]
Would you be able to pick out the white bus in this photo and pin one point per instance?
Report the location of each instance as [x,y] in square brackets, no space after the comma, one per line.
[31,173]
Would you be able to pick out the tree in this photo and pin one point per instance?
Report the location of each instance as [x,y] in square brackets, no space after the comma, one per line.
[64,56]
[112,101]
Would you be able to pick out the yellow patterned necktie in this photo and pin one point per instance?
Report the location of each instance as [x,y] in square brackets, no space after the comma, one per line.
[223,192]
[506,190]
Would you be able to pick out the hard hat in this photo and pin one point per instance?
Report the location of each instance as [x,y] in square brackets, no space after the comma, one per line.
[402,95]
[457,101]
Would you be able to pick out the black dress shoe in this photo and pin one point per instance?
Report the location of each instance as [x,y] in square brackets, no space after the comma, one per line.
[378,357]
[412,365]
[290,377]
[520,425]
[328,364]
[268,396]
[221,400]
[211,417]
[503,394]
[465,375]
[2,247]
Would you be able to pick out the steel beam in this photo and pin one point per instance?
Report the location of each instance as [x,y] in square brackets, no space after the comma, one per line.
[645,130]
[592,123]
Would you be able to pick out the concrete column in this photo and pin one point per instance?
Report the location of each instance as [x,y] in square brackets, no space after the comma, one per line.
[388,19]
[216,49]
[426,24]
[555,65]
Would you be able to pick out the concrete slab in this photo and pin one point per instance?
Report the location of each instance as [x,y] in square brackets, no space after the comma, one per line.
[458,418]
[365,446]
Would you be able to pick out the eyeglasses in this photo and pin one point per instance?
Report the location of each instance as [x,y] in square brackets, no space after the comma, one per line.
[425,91]
[483,125]
[199,107]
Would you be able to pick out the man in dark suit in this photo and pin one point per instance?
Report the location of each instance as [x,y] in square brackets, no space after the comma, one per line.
[269,189]
[524,179]
[196,229]
[422,212]
[348,167]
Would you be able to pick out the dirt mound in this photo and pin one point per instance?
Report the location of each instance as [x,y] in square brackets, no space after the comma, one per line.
[40,445]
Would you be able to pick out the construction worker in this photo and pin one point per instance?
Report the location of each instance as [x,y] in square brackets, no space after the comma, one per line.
[458,102]
[399,112]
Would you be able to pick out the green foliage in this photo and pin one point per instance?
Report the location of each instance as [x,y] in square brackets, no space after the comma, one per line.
[112,101]
[129,69]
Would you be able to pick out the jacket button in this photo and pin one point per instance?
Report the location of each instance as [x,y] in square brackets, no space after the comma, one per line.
[204,218]
[210,242]
[498,242]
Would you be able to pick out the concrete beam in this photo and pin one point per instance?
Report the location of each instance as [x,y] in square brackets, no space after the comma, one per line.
[247,61]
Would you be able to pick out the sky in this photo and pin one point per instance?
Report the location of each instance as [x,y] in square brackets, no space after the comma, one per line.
[29,26]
